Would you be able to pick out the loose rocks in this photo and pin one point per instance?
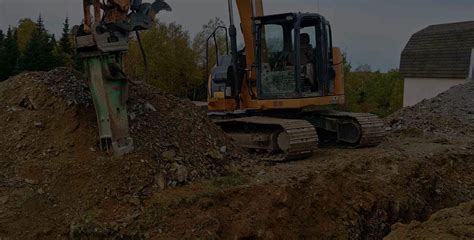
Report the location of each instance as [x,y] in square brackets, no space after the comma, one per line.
[445,113]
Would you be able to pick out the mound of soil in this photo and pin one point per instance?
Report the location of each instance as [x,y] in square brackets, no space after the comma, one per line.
[52,175]
[450,112]
[452,223]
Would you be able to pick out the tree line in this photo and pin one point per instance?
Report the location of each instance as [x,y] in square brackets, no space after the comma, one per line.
[177,62]
[30,47]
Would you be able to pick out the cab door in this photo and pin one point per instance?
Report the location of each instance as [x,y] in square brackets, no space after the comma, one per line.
[314,56]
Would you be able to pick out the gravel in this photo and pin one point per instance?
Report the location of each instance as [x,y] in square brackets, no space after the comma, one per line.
[169,131]
[449,112]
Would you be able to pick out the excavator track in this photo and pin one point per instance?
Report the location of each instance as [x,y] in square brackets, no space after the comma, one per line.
[369,127]
[282,139]
[373,130]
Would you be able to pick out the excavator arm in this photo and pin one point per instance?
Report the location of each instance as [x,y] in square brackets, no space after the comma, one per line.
[249,9]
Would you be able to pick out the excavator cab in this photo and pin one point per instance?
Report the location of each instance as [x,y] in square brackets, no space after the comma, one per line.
[293,56]
[288,63]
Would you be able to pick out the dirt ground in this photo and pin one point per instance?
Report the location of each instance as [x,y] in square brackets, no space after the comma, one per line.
[453,223]
[187,181]
[338,194]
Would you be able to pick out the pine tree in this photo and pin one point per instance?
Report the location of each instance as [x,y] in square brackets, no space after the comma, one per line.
[2,55]
[39,51]
[65,41]
[40,23]
[65,50]
[9,57]
[59,58]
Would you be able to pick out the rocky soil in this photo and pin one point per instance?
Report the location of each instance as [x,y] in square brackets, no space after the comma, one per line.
[53,175]
[453,223]
[448,113]
[186,180]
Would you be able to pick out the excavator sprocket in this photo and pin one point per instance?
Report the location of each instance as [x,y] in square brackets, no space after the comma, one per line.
[283,139]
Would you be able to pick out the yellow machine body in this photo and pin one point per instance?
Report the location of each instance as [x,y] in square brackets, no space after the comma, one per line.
[217,102]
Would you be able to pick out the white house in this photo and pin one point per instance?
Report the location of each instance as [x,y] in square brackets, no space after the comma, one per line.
[437,58]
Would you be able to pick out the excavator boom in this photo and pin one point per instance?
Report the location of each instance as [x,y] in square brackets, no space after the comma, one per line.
[248,9]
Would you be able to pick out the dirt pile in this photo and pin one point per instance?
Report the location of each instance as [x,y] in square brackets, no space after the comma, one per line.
[450,112]
[452,223]
[171,130]
[51,168]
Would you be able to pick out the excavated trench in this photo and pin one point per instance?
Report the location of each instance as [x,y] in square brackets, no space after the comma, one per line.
[340,194]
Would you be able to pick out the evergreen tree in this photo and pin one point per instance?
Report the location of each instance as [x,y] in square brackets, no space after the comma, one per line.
[39,54]
[40,23]
[65,41]
[65,51]
[2,55]
[9,55]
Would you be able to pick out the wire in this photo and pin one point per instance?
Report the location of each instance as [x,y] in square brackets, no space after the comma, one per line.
[145,61]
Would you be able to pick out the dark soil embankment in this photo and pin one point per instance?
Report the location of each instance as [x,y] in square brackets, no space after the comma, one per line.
[52,174]
[448,224]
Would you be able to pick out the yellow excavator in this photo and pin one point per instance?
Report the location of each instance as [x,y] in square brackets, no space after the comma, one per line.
[276,95]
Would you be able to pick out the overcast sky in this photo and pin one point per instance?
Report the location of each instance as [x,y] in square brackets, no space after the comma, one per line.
[372,32]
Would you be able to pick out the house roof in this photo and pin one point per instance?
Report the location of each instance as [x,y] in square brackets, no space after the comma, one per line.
[439,51]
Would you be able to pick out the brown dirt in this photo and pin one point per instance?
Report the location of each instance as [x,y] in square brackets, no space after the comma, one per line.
[52,175]
[339,194]
[52,186]
[448,224]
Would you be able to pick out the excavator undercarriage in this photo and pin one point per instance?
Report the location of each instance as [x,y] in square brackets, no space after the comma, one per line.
[297,136]
[283,139]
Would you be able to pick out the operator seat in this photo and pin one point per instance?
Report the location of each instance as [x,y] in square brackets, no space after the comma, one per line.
[306,58]
[305,48]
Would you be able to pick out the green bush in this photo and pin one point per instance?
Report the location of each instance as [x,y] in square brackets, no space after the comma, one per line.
[375,92]
[172,63]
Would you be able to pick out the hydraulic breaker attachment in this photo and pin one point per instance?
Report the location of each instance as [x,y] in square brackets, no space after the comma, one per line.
[109,88]
[102,44]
